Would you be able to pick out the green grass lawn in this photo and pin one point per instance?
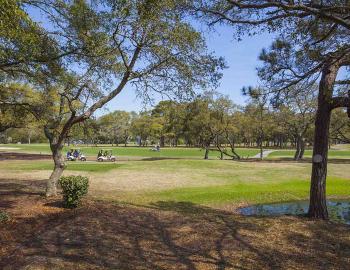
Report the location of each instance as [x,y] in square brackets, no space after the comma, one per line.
[212,182]
[269,192]
[208,182]
[71,166]
[179,152]
[91,152]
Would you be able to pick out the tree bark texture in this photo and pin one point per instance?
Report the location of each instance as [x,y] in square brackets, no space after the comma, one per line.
[59,166]
[318,203]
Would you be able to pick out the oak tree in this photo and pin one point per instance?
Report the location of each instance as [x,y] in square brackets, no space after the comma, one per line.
[99,48]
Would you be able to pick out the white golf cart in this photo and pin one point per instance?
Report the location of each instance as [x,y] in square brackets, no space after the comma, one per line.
[106,155]
[75,154]
[156,148]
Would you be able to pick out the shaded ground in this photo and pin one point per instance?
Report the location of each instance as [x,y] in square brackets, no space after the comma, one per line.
[22,156]
[165,235]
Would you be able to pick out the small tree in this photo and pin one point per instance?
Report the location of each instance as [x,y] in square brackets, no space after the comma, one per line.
[298,113]
[340,126]
[259,114]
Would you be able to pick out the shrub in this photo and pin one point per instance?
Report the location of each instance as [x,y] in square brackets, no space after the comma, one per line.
[4,217]
[74,188]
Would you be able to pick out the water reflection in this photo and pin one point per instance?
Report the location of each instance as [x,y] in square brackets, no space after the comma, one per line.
[338,210]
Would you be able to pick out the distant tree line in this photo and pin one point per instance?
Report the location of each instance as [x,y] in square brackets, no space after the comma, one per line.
[211,121]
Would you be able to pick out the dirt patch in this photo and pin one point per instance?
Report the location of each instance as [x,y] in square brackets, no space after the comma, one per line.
[165,235]
[22,156]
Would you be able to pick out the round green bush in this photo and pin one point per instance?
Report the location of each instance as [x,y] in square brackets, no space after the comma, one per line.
[73,188]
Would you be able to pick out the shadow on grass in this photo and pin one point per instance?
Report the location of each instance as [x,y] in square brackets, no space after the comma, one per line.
[159,158]
[168,235]
[17,187]
[22,156]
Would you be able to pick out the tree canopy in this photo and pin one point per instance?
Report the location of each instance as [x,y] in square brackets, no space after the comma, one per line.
[86,53]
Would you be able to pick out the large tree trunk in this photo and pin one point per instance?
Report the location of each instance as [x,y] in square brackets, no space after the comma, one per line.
[59,166]
[318,204]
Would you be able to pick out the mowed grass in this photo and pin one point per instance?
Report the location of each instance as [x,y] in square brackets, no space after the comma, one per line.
[291,190]
[308,153]
[71,166]
[91,151]
[218,183]
[341,151]
[212,183]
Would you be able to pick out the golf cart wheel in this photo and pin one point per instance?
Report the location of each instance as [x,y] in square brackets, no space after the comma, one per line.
[100,160]
[83,159]
[113,159]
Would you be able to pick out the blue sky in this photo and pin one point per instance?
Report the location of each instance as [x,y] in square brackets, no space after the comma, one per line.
[241,58]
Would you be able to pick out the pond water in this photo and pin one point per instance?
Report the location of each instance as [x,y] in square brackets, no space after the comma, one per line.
[338,210]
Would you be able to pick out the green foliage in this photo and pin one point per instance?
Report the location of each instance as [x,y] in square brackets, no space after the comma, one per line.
[340,126]
[4,217]
[147,127]
[30,134]
[74,188]
[115,127]
[14,109]
[25,47]
[251,192]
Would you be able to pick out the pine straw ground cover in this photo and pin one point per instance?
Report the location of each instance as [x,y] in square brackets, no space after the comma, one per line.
[163,235]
